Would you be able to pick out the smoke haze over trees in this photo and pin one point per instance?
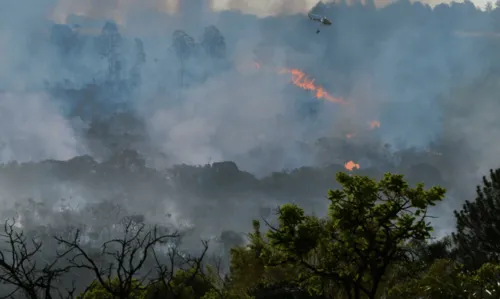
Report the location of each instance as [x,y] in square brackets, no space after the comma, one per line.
[202,120]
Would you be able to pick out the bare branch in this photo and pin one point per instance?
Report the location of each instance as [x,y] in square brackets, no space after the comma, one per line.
[18,265]
[128,255]
[178,261]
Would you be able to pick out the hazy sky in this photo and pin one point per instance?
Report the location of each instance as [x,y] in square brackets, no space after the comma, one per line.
[262,7]
[116,9]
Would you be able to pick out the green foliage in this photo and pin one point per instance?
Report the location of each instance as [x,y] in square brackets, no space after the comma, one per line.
[185,284]
[373,244]
[224,294]
[97,291]
[446,279]
[368,229]
[485,281]
[429,252]
[478,225]
[251,275]
[441,280]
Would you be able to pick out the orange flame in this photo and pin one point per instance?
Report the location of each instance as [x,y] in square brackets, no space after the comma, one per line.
[301,80]
[374,124]
[351,165]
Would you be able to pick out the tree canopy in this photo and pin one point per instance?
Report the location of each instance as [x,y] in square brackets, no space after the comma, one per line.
[375,241]
[478,224]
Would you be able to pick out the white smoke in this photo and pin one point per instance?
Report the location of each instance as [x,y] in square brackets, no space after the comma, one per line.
[32,129]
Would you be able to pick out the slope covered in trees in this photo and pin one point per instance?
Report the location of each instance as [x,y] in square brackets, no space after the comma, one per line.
[375,242]
[125,221]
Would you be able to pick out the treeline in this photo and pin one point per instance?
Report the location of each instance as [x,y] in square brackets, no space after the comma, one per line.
[366,27]
[128,179]
[375,242]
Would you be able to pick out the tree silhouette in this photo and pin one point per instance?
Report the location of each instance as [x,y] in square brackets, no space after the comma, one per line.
[183,46]
[213,43]
[138,61]
[23,267]
[110,42]
[121,275]
[488,7]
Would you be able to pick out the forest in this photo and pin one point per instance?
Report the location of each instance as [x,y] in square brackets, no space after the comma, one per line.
[375,242]
[217,154]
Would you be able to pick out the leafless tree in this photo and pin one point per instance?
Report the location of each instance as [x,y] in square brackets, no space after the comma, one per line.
[176,260]
[118,265]
[22,267]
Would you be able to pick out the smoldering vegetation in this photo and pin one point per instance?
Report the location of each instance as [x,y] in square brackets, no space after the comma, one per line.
[185,120]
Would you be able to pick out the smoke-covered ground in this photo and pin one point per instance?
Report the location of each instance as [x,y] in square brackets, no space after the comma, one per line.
[110,108]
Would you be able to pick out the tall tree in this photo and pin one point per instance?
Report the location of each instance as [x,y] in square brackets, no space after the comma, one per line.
[183,46]
[138,61]
[369,228]
[213,43]
[110,42]
[477,234]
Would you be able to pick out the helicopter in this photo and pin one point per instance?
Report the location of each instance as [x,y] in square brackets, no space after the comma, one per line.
[321,19]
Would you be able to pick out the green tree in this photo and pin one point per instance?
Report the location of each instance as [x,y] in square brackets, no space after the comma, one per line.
[428,252]
[447,279]
[251,274]
[184,284]
[477,236]
[368,231]
[97,291]
[485,282]
[442,279]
